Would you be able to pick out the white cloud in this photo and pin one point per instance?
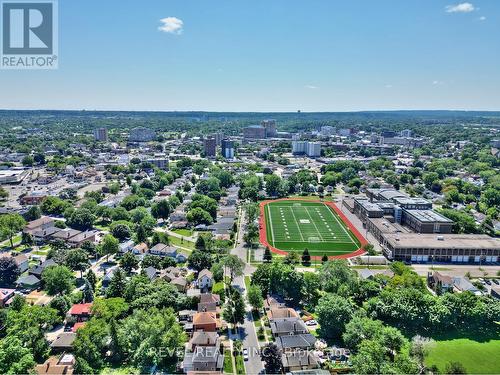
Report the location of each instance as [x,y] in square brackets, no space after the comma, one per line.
[171,25]
[482,18]
[311,87]
[460,8]
[437,82]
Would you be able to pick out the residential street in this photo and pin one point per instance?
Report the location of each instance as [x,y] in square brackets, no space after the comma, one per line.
[247,331]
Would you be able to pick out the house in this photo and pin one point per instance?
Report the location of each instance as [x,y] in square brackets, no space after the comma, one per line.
[170,273]
[37,271]
[43,235]
[63,342]
[80,311]
[180,283]
[288,326]
[21,261]
[193,293]
[125,247]
[273,302]
[28,282]
[280,313]
[462,284]
[63,365]
[205,321]
[151,273]
[366,274]
[79,239]
[107,278]
[207,360]
[205,279]
[302,341]
[297,360]
[140,250]
[203,339]
[65,234]
[186,315]
[163,250]
[44,222]
[210,298]
[5,296]
[76,326]
[440,283]
[209,302]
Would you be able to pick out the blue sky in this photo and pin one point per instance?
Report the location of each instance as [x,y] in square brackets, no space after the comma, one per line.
[268,55]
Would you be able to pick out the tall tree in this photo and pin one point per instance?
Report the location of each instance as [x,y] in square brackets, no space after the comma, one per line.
[271,356]
[117,284]
[58,280]
[254,295]
[109,246]
[9,271]
[129,262]
[10,225]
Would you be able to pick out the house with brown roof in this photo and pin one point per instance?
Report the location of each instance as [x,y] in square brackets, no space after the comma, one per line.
[79,239]
[272,302]
[281,312]
[440,283]
[206,321]
[44,222]
[209,302]
[180,283]
[63,365]
[202,339]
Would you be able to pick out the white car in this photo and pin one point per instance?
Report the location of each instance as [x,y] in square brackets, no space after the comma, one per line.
[311,322]
[245,354]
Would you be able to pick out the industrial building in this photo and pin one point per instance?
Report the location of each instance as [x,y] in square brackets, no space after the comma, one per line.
[13,176]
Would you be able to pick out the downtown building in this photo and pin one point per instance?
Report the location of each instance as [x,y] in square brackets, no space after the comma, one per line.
[227,149]
[210,147]
[101,135]
[142,135]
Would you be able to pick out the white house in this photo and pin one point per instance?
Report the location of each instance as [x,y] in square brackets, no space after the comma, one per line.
[205,279]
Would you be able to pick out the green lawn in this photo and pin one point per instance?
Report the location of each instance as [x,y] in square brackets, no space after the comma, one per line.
[297,225]
[240,365]
[174,241]
[184,232]
[477,357]
[228,364]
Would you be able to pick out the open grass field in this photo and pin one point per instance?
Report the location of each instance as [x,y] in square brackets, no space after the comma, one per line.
[293,225]
[478,357]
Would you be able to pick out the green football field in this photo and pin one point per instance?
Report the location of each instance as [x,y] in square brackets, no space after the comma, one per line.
[297,225]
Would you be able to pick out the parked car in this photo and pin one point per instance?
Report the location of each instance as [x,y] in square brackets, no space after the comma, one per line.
[496,281]
[311,322]
[487,281]
[245,354]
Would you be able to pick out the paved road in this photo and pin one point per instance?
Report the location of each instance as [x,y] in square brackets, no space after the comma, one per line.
[247,332]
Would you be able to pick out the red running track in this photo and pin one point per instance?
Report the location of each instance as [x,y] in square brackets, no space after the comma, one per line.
[354,230]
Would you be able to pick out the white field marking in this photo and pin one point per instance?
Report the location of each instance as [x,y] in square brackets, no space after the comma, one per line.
[297,224]
[271,222]
[317,230]
[343,228]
